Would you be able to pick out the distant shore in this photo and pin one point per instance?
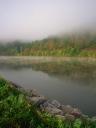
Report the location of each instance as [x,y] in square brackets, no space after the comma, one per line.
[46,58]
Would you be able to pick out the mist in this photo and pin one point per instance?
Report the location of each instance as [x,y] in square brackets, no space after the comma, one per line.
[38,19]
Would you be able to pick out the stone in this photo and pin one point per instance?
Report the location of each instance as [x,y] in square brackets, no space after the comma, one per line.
[34,93]
[36,100]
[56,103]
[50,108]
[46,104]
[66,108]
[76,112]
[40,102]
[54,110]
[69,117]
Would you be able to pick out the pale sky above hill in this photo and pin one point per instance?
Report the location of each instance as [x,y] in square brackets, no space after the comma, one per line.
[36,19]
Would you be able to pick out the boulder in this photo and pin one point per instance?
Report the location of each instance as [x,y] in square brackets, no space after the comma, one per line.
[69,117]
[76,112]
[55,103]
[46,105]
[54,111]
[66,109]
[34,93]
[37,100]
[50,108]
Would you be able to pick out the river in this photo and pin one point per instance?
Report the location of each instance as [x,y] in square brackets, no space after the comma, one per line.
[71,82]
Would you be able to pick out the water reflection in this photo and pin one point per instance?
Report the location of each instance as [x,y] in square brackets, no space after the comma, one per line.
[70,82]
[83,72]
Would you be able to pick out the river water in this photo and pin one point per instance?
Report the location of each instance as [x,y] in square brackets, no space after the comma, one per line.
[69,82]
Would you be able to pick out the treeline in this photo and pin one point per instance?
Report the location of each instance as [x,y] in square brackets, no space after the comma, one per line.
[83,44]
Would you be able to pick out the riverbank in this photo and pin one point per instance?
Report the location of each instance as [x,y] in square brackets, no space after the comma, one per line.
[46,58]
[28,109]
[73,81]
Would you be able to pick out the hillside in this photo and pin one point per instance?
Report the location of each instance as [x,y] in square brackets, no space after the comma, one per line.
[76,44]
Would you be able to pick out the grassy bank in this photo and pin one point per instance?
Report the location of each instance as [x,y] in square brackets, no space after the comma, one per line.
[17,112]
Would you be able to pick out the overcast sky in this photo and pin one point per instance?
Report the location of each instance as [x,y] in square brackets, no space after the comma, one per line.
[36,19]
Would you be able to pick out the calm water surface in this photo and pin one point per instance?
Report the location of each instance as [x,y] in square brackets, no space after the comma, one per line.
[68,83]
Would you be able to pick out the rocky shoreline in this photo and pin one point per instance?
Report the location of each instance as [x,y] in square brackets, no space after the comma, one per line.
[52,107]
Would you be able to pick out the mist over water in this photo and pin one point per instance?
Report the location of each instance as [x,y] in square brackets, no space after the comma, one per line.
[33,19]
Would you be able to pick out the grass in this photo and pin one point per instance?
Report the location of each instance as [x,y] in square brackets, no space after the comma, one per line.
[17,112]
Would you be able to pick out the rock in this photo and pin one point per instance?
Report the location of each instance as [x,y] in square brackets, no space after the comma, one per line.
[69,117]
[47,104]
[66,108]
[48,107]
[72,111]
[76,112]
[54,110]
[52,106]
[56,103]
[34,93]
[37,100]
[40,102]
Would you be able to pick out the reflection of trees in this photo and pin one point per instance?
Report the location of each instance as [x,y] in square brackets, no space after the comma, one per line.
[72,69]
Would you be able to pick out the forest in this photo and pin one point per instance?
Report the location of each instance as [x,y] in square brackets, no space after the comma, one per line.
[76,44]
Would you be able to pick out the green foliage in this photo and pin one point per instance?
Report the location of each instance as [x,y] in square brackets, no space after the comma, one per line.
[69,45]
[17,112]
[77,123]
